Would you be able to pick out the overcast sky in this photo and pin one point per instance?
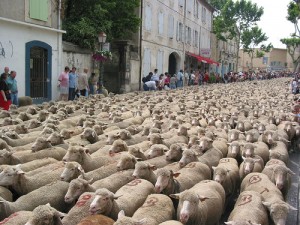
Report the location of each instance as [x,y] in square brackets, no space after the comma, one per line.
[274,22]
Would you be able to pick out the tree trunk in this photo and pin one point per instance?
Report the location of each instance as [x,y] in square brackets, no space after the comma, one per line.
[237,55]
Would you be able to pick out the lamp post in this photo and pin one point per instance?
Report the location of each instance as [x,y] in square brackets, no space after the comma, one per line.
[101,39]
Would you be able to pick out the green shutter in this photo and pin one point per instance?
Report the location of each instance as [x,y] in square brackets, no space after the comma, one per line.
[39,9]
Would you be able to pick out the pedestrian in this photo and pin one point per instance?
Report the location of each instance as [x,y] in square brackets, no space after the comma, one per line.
[73,83]
[83,85]
[179,79]
[193,77]
[173,81]
[150,85]
[147,78]
[13,87]
[167,79]
[155,75]
[5,98]
[93,81]
[6,71]
[63,80]
[294,86]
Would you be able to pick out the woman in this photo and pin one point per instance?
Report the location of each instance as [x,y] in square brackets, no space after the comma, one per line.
[63,80]
[5,98]
[93,80]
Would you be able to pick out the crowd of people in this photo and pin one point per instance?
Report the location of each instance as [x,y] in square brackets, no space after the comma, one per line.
[154,81]
[73,84]
[8,89]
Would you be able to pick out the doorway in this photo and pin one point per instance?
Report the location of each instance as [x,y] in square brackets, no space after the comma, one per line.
[38,71]
[173,64]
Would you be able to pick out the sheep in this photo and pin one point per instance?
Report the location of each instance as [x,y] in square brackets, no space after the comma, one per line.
[227,174]
[234,151]
[252,135]
[258,148]
[71,171]
[156,209]
[4,145]
[17,142]
[272,197]
[80,155]
[17,218]
[21,129]
[32,110]
[132,196]
[6,194]
[278,150]
[56,139]
[12,158]
[219,143]
[144,170]
[118,146]
[80,210]
[96,220]
[22,184]
[24,116]
[131,139]
[234,135]
[52,193]
[40,144]
[185,178]
[246,202]
[136,152]
[90,135]
[156,150]
[45,213]
[171,222]
[175,153]
[114,181]
[279,174]
[251,164]
[195,209]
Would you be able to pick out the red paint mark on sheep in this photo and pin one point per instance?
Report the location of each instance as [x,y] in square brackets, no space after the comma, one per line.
[265,190]
[83,200]
[224,160]
[9,218]
[150,202]
[254,179]
[134,182]
[245,200]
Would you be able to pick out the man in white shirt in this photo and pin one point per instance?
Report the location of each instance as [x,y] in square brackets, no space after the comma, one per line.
[155,75]
[83,85]
[150,85]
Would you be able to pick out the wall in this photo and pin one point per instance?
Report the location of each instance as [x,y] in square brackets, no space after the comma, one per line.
[14,48]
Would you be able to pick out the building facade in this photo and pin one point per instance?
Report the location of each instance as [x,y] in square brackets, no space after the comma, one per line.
[275,60]
[31,44]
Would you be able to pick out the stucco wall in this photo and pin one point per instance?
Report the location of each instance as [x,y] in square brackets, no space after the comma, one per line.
[13,41]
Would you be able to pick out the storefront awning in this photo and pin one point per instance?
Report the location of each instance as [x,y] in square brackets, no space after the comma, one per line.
[203,59]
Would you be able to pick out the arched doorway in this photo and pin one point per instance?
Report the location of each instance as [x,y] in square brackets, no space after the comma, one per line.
[173,63]
[38,71]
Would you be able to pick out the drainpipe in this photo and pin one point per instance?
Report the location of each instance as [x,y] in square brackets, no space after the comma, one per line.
[141,35]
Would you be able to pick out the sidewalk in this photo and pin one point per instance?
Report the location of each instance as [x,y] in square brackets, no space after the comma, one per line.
[293,197]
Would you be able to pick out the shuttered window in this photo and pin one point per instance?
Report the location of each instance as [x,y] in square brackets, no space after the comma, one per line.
[181,3]
[171,26]
[147,61]
[160,61]
[160,23]
[38,9]
[148,18]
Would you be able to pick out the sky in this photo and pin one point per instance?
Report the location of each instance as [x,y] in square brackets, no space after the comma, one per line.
[274,22]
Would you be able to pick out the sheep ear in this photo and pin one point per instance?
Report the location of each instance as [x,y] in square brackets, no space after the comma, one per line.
[175,196]
[176,174]
[292,208]
[214,167]
[141,222]
[202,198]
[117,196]
[244,158]
[229,223]
[152,167]
[267,204]
[290,172]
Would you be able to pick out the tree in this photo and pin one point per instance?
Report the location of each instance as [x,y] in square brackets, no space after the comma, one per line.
[232,19]
[251,39]
[85,19]
[292,43]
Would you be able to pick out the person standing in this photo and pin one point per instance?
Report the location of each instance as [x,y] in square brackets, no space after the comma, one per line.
[155,76]
[63,80]
[6,71]
[73,82]
[173,81]
[179,79]
[13,87]
[93,80]
[83,85]
[5,98]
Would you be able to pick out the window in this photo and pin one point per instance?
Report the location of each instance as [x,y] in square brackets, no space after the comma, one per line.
[160,23]
[196,9]
[38,9]
[148,17]
[189,37]
[180,32]
[171,26]
[160,61]
[196,38]
[186,34]
[203,16]
[189,6]
[147,61]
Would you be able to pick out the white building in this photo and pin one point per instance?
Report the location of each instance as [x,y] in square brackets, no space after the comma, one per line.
[31,44]
[176,34]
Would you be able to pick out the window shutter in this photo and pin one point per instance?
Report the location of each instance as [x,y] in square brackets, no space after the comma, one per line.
[160,23]
[160,63]
[38,9]
[181,3]
[148,18]
[147,61]
[171,26]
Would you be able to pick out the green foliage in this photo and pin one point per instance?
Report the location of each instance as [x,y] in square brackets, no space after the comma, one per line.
[292,45]
[293,12]
[85,19]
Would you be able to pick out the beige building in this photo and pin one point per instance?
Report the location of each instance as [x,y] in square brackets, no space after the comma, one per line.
[275,60]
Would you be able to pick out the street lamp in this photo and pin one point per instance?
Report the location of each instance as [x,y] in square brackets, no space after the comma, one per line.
[101,39]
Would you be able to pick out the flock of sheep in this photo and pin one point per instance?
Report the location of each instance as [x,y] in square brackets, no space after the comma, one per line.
[158,158]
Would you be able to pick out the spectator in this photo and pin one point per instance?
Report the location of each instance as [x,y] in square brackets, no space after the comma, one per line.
[147,78]
[150,85]
[5,99]
[73,83]
[161,82]
[294,86]
[13,87]
[63,80]
[167,79]
[179,79]
[193,77]
[93,80]
[155,76]
[83,85]
[173,81]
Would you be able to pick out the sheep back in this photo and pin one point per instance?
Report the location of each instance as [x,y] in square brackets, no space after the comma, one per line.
[6,194]
[17,218]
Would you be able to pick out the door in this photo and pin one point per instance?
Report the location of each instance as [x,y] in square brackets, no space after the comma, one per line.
[38,71]
[172,64]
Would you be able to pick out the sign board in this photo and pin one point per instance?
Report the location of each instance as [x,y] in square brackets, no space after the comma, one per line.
[205,52]
[106,47]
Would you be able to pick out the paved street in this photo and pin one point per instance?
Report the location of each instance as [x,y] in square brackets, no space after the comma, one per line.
[293,197]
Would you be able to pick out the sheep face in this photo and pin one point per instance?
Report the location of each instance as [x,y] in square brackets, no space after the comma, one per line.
[55,139]
[182,131]
[220,174]
[76,188]
[9,175]
[71,171]
[175,153]
[118,146]
[21,129]
[205,143]
[66,133]
[155,139]
[75,154]
[155,151]
[33,124]
[126,161]
[143,170]
[281,175]
[249,165]
[40,144]
[233,135]
[103,201]
[111,138]
[193,140]
[249,137]
[164,177]
[125,135]
[188,156]
[279,211]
